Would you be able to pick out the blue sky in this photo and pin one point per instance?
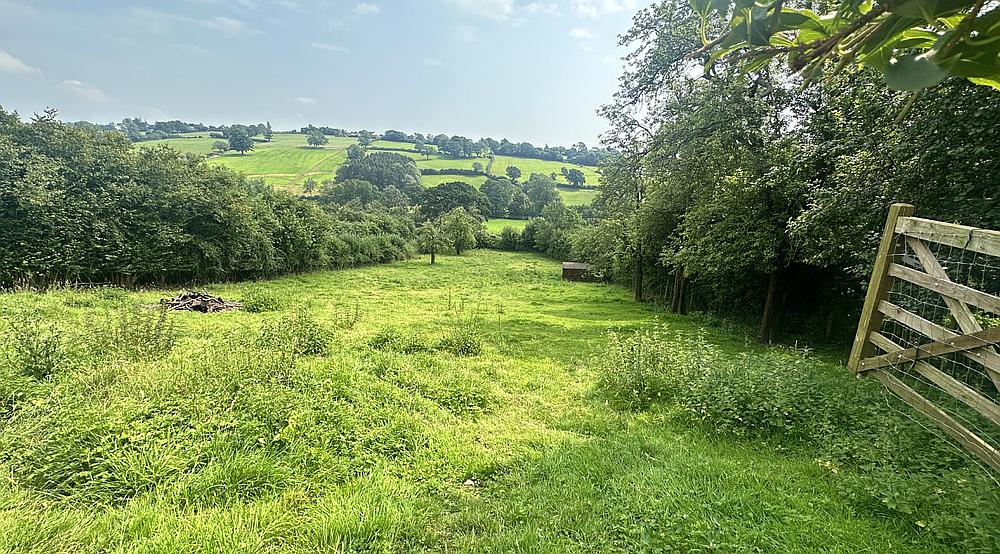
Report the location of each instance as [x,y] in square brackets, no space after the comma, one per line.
[521,69]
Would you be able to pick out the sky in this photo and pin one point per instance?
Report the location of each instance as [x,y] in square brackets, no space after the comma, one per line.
[519,69]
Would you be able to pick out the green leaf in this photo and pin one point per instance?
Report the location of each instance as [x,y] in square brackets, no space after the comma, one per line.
[966,61]
[721,6]
[799,19]
[929,10]
[701,7]
[889,30]
[913,73]
[985,81]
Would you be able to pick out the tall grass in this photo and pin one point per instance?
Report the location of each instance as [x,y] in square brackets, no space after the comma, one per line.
[882,461]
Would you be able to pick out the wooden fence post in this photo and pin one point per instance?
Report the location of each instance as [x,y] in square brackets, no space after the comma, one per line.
[878,287]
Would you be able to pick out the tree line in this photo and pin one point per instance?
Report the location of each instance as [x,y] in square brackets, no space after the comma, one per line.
[750,195]
[85,205]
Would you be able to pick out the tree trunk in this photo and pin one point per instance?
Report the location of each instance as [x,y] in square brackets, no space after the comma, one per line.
[772,306]
[637,282]
[432,257]
[677,300]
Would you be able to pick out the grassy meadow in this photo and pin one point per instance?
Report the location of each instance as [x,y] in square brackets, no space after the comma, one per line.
[287,161]
[496,225]
[399,408]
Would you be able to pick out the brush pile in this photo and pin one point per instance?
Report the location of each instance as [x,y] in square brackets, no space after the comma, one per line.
[198,302]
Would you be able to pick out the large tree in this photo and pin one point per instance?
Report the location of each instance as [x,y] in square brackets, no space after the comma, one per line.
[316,139]
[915,44]
[384,169]
[460,227]
[499,192]
[438,200]
[431,238]
[239,139]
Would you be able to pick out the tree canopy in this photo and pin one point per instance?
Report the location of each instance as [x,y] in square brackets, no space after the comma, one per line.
[914,44]
[384,169]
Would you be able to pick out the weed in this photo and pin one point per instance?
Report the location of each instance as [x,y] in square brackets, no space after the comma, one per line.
[256,300]
[464,341]
[394,340]
[35,346]
[140,334]
[298,333]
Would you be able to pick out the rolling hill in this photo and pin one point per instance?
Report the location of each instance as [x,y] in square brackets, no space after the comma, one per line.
[287,161]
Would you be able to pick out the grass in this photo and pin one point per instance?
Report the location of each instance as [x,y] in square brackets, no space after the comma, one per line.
[546,167]
[433,180]
[286,162]
[577,197]
[445,408]
[497,225]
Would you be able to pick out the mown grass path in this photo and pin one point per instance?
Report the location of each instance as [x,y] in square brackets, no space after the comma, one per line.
[390,442]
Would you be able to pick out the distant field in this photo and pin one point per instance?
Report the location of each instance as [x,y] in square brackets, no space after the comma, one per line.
[529,166]
[287,161]
[449,163]
[497,225]
[433,180]
[577,197]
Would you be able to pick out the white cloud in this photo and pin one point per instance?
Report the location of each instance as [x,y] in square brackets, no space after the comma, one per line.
[596,8]
[85,91]
[582,34]
[365,8]
[305,100]
[328,47]
[505,11]
[155,21]
[433,62]
[538,7]
[499,10]
[10,64]
[225,25]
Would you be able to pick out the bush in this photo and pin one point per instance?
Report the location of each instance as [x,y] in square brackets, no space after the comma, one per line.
[509,239]
[139,334]
[297,333]
[256,300]
[35,348]
[884,461]
[637,370]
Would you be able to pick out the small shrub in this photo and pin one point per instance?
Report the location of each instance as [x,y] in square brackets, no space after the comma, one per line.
[298,333]
[348,317]
[509,239]
[140,334]
[462,342]
[35,348]
[256,300]
[637,370]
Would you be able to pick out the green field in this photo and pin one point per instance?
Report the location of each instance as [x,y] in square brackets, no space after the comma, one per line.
[577,197]
[545,167]
[497,225]
[434,180]
[446,408]
[286,162]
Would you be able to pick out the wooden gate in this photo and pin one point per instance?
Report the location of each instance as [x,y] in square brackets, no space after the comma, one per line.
[929,326]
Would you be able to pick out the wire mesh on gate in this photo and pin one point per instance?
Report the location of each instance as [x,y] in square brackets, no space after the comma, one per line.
[965,385]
